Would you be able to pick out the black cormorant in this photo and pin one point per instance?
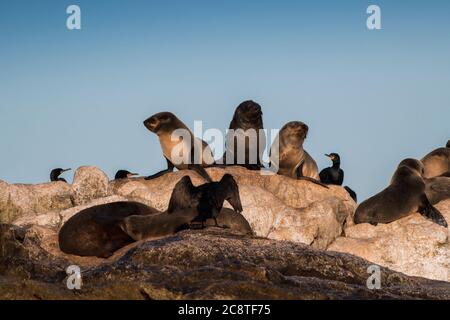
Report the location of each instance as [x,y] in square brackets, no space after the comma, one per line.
[123,174]
[54,175]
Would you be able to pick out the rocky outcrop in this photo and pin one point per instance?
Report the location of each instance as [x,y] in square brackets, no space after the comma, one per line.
[276,207]
[412,245]
[89,183]
[17,200]
[206,264]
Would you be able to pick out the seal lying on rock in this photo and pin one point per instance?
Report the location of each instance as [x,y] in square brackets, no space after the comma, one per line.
[163,224]
[405,195]
[95,231]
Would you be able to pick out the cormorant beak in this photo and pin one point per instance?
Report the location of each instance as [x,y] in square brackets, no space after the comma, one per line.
[65,170]
[132,175]
[328,155]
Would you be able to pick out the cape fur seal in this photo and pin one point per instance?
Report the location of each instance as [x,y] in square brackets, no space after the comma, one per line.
[437,162]
[245,140]
[405,195]
[96,232]
[164,125]
[335,175]
[287,156]
[163,224]
[55,173]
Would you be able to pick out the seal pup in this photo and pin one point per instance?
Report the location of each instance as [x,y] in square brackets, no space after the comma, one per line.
[163,224]
[437,162]
[245,140]
[96,231]
[124,174]
[207,198]
[287,156]
[164,124]
[55,173]
[335,175]
[405,195]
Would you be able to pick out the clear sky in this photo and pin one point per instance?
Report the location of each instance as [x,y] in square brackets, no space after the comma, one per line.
[72,98]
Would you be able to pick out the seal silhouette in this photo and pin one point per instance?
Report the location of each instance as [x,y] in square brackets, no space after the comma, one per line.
[178,141]
[246,140]
[404,196]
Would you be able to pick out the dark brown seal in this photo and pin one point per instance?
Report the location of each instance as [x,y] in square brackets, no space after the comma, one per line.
[95,231]
[404,196]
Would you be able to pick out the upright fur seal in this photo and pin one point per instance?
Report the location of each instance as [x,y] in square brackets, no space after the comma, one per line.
[246,140]
[96,232]
[287,156]
[55,173]
[437,162]
[182,144]
[405,195]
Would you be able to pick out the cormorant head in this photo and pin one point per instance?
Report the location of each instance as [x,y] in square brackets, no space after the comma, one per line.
[55,173]
[334,157]
[249,114]
[448,144]
[232,188]
[163,121]
[123,174]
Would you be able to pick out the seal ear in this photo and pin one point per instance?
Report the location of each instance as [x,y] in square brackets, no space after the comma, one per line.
[182,195]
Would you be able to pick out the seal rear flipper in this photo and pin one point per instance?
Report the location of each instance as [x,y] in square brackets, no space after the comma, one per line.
[427,210]
[351,193]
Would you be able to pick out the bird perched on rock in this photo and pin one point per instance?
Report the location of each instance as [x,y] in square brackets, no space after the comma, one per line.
[55,173]
[207,198]
[124,174]
[335,175]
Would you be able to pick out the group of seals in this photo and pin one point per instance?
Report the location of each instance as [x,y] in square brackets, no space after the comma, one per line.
[412,186]
[101,230]
[246,130]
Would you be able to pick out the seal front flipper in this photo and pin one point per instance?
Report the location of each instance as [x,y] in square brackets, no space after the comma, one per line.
[428,211]
[301,177]
[169,169]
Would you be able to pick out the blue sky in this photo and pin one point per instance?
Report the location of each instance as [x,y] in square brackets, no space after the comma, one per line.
[72,98]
